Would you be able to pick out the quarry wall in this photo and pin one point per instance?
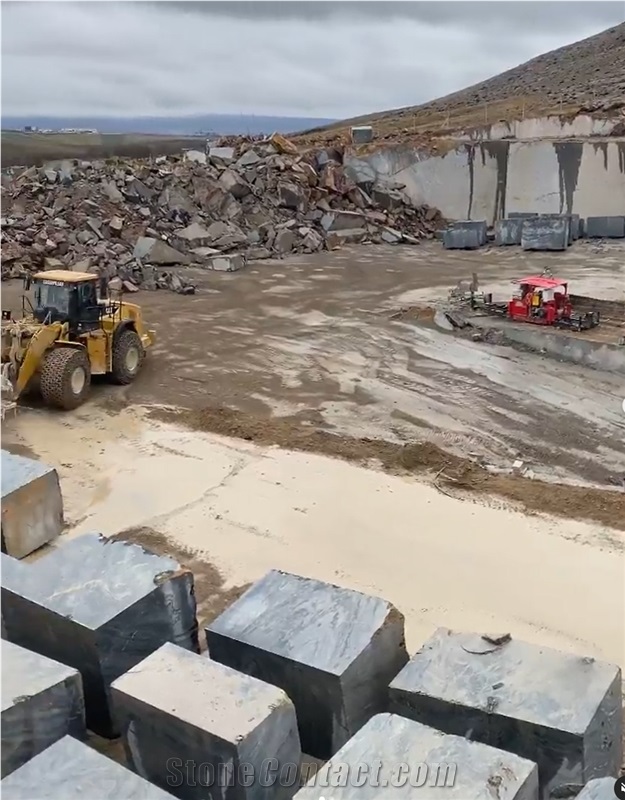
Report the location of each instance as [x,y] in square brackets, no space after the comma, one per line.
[582,126]
[488,179]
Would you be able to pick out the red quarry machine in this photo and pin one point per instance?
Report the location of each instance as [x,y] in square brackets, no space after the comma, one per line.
[543,301]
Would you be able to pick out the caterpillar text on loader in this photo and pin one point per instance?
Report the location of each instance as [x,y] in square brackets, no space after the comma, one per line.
[68,333]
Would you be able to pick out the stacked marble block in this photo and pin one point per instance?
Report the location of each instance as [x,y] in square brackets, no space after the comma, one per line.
[32,505]
[178,708]
[332,650]
[99,606]
[42,701]
[561,711]
[465,235]
[71,770]
[392,756]
[547,232]
[605,227]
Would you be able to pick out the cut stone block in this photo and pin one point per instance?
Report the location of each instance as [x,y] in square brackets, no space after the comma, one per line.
[461,240]
[545,233]
[332,650]
[560,710]
[420,763]
[32,505]
[605,227]
[42,701]
[569,223]
[100,606]
[176,707]
[71,770]
[522,214]
[465,235]
[508,231]
[600,789]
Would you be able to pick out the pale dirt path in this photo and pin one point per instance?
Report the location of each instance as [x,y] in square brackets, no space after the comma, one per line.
[246,509]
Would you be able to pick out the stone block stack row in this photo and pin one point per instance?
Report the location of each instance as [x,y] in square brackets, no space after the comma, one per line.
[101,636]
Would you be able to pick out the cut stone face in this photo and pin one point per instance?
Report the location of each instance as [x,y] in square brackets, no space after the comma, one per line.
[100,606]
[545,233]
[177,708]
[605,227]
[332,650]
[421,763]
[32,505]
[508,231]
[465,235]
[42,701]
[71,770]
[560,710]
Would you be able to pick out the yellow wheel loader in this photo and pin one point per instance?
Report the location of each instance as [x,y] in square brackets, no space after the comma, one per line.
[67,333]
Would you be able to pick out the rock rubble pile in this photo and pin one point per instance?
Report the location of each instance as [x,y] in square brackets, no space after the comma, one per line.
[145,221]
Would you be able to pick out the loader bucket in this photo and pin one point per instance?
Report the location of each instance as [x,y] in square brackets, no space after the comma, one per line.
[32,505]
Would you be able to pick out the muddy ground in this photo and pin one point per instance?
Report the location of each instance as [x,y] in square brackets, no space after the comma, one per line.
[294,361]
[311,343]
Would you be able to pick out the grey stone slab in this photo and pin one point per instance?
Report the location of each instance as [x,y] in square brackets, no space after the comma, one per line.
[420,762]
[569,223]
[176,707]
[560,710]
[100,606]
[361,134]
[600,789]
[522,214]
[331,649]
[32,504]
[70,770]
[461,239]
[42,701]
[545,233]
[605,227]
[508,231]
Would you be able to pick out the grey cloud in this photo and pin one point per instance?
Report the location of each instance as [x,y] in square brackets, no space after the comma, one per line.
[293,59]
[478,14]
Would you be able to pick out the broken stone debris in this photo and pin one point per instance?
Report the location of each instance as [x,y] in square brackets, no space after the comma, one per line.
[258,199]
[214,714]
[541,704]
[101,606]
[332,650]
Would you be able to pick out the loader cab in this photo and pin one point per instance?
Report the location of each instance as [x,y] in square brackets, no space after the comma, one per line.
[65,296]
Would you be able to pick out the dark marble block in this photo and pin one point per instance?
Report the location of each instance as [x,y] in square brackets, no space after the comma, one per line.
[70,770]
[32,505]
[605,227]
[100,606]
[561,711]
[508,231]
[332,650]
[419,763]
[177,707]
[42,701]
[545,233]
[465,235]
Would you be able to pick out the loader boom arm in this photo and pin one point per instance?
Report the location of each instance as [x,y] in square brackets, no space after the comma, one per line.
[39,344]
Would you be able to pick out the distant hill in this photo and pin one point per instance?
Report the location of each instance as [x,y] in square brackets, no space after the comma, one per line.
[587,75]
[220,124]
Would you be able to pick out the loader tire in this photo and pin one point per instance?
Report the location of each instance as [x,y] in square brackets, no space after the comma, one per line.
[127,357]
[65,378]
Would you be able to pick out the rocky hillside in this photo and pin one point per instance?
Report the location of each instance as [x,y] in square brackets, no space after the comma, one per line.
[585,76]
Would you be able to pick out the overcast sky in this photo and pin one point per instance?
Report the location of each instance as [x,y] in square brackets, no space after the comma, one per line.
[326,59]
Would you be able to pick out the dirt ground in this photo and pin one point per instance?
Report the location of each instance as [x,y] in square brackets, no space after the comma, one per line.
[218,454]
[308,353]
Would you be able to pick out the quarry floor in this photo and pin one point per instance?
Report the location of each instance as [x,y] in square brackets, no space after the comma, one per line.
[219,452]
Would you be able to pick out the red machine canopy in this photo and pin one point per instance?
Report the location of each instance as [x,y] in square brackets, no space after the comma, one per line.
[538,282]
